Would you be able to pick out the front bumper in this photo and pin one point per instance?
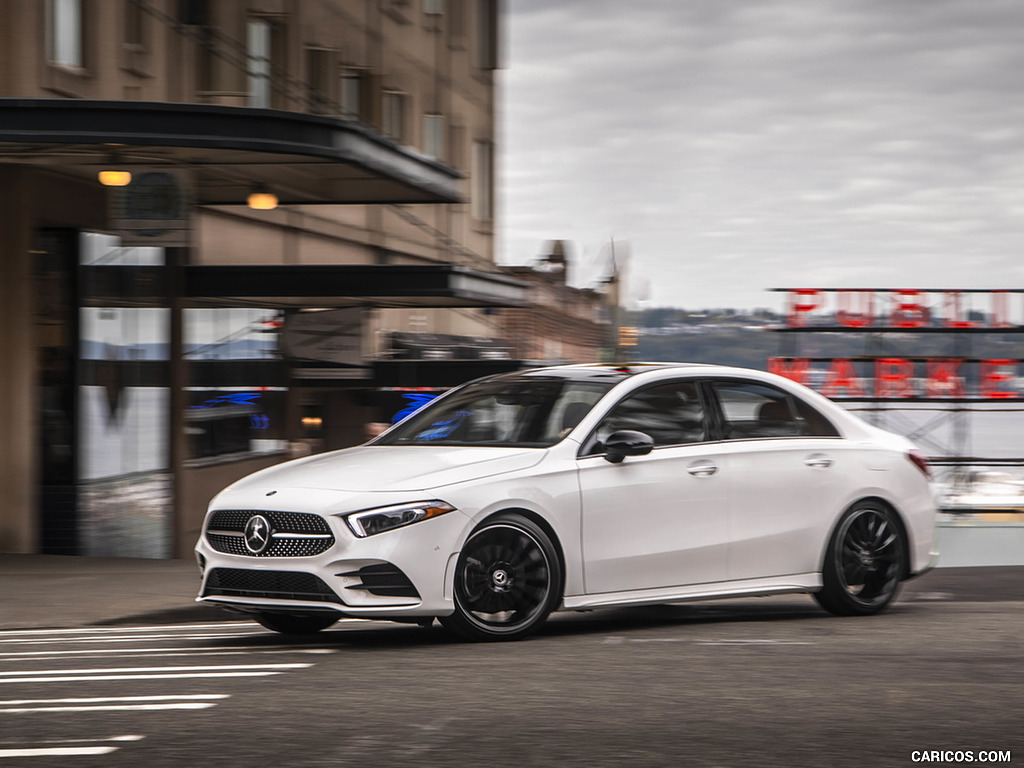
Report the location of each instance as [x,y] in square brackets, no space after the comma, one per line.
[396,574]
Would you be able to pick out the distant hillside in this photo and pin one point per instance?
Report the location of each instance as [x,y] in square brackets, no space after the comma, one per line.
[728,337]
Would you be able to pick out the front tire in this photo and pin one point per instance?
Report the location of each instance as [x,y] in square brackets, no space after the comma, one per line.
[864,563]
[290,624]
[507,580]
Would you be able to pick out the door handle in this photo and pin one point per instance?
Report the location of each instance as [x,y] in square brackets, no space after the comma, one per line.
[818,461]
[702,470]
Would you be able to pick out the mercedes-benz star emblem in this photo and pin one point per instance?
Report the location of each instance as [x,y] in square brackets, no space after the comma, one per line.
[257,534]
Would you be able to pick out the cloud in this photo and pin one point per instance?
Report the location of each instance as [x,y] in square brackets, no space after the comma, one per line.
[871,142]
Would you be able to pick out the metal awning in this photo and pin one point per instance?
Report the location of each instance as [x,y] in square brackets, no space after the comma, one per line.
[303,158]
[323,286]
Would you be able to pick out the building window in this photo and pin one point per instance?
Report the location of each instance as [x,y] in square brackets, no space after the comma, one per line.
[485,34]
[482,203]
[433,136]
[433,7]
[259,38]
[456,23]
[132,23]
[351,92]
[234,407]
[64,33]
[318,75]
[392,120]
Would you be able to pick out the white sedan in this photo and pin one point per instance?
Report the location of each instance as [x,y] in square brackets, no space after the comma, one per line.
[573,488]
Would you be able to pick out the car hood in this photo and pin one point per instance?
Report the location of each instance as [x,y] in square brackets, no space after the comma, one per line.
[392,468]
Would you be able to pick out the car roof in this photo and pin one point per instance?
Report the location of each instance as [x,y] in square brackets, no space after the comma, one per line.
[613,372]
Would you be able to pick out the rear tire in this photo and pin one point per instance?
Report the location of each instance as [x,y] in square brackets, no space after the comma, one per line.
[290,624]
[507,580]
[864,563]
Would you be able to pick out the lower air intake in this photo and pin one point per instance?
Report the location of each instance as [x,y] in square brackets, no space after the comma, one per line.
[275,585]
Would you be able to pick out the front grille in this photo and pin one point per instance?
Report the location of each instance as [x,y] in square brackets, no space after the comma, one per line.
[383,580]
[226,526]
[276,585]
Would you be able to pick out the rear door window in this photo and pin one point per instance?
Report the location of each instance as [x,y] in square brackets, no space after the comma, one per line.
[752,410]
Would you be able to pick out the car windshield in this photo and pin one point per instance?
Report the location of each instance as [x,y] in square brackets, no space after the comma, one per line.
[514,411]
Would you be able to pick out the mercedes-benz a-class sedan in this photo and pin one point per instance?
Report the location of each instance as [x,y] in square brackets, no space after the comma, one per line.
[572,488]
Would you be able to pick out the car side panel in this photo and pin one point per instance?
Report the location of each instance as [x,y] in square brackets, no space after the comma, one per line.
[785,495]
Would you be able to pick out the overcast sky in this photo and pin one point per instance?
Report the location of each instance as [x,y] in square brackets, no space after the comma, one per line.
[739,146]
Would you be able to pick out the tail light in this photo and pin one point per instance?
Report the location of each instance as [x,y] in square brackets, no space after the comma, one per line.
[918,460]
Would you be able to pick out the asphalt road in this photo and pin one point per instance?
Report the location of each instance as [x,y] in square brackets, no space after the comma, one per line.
[766,682]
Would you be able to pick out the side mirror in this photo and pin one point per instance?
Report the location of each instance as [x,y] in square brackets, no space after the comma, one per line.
[627,442]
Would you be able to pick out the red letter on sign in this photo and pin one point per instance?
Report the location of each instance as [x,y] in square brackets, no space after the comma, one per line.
[908,314]
[801,301]
[842,376]
[795,369]
[892,377]
[990,377]
[862,318]
[944,379]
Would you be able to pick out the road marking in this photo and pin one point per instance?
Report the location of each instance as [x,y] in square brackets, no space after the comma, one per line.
[618,640]
[127,639]
[107,699]
[111,670]
[97,678]
[151,628]
[256,628]
[215,650]
[72,741]
[753,642]
[114,707]
[57,751]
[112,703]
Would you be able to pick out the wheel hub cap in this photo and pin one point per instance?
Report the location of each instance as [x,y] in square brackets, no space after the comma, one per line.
[501,580]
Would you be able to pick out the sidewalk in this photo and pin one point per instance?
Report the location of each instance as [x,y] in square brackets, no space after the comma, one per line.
[42,591]
[56,591]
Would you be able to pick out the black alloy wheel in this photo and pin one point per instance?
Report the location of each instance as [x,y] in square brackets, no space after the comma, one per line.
[508,579]
[292,624]
[864,563]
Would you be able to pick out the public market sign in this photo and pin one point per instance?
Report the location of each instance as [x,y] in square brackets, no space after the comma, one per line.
[885,377]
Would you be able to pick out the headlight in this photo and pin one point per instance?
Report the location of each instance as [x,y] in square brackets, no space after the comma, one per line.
[372,521]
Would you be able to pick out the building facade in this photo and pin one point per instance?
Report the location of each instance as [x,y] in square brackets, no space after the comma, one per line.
[562,324]
[308,178]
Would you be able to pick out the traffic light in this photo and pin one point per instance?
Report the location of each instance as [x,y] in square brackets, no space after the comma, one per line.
[627,336]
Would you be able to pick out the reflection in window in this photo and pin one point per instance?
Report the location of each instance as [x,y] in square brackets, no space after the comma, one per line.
[259,62]
[433,136]
[123,400]
[233,333]
[234,423]
[672,414]
[753,410]
[233,410]
[528,411]
[64,32]
[98,249]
